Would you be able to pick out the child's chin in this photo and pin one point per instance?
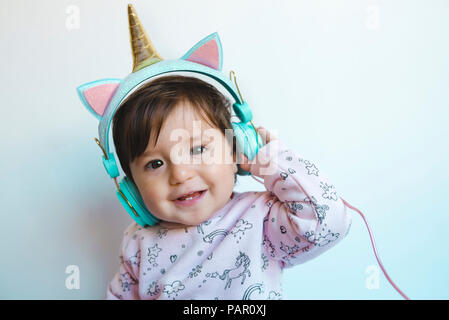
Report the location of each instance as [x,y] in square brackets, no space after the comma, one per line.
[198,220]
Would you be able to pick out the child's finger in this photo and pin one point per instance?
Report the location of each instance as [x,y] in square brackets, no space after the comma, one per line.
[244,163]
[262,133]
[266,135]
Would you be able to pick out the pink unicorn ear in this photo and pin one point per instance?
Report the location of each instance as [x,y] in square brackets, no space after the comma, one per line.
[207,52]
[97,94]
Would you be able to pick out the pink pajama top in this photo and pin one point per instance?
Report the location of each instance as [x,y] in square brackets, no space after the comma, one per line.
[240,252]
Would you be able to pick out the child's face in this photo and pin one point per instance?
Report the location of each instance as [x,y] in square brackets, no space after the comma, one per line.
[162,177]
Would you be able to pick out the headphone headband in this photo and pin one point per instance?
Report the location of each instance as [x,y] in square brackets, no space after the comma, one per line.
[137,78]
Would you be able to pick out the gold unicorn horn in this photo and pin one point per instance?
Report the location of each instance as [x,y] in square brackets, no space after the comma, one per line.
[144,53]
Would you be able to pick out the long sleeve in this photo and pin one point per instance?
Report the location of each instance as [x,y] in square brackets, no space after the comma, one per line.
[125,283]
[305,215]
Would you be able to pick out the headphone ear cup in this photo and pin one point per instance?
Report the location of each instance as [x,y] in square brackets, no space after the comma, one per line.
[248,142]
[130,191]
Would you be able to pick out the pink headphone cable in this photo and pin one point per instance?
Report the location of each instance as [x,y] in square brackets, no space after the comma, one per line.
[372,243]
[375,250]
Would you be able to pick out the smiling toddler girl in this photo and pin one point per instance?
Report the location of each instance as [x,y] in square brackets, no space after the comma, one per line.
[213,242]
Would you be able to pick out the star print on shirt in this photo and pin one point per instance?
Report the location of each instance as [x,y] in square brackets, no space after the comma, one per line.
[311,169]
[154,250]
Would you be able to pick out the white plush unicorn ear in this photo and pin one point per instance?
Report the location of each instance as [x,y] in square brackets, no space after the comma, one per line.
[96,95]
[207,52]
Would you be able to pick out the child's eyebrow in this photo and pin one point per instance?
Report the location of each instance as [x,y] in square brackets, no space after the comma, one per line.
[205,138]
[146,154]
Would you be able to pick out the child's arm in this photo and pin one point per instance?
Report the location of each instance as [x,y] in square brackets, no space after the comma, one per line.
[125,283]
[305,215]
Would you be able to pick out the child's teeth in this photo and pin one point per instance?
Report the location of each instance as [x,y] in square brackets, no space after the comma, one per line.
[191,197]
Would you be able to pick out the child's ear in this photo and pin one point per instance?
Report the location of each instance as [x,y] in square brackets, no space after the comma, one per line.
[96,95]
[207,52]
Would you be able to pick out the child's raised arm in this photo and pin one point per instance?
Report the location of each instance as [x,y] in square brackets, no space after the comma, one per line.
[306,216]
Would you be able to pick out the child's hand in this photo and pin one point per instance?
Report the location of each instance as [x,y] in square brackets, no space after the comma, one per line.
[267,137]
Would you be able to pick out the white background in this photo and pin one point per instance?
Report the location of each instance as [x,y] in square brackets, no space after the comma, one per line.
[358,87]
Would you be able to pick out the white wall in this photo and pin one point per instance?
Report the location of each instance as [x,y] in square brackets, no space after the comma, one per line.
[361,87]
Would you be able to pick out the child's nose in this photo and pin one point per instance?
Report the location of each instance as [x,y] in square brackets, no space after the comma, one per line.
[181,173]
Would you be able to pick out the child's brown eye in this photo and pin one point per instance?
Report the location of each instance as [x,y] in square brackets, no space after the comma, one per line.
[154,164]
[195,149]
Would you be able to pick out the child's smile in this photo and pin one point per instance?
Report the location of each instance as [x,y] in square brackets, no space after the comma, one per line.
[191,199]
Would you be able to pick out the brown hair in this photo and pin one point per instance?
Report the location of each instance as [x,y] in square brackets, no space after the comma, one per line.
[144,111]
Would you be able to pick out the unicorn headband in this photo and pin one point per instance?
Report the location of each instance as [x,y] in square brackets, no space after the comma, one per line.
[103,97]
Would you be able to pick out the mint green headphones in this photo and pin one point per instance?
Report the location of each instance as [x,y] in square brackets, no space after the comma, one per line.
[103,97]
